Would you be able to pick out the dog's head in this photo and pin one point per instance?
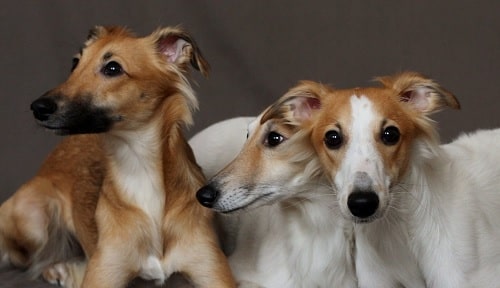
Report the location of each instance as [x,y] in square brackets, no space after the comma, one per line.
[119,80]
[365,138]
[277,160]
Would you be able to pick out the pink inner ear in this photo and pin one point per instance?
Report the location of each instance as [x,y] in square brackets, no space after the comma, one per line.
[171,47]
[303,107]
[417,98]
[314,103]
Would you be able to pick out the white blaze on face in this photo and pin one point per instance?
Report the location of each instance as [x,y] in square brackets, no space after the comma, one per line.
[362,166]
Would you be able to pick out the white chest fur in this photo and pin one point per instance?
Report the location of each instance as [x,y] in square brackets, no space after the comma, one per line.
[137,170]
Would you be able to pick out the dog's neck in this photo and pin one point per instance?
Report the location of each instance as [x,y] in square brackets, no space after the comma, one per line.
[427,211]
[135,169]
[142,160]
[306,217]
[427,166]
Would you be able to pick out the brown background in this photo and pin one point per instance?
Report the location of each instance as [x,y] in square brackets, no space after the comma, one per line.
[257,49]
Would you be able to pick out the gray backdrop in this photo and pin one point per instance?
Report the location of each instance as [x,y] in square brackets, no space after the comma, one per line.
[257,49]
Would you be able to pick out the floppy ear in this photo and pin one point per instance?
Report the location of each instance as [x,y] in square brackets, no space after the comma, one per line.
[179,48]
[298,104]
[420,92]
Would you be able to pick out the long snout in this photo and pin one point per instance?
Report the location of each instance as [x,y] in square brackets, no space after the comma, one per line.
[71,115]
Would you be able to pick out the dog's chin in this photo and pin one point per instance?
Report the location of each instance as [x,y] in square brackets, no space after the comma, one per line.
[68,130]
[88,127]
[262,200]
[358,220]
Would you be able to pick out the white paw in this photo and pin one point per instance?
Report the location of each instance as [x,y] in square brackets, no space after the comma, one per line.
[57,274]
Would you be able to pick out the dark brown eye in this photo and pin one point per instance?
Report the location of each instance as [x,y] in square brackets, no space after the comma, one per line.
[74,63]
[112,69]
[333,139]
[274,139]
[390,135]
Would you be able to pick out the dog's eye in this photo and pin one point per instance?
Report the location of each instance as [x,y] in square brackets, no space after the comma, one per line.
[112,69]
[333,139]
[390,135]
[274,139]
[74,63]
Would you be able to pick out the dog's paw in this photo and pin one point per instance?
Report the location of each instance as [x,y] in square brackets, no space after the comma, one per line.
[66,274]
[57,274]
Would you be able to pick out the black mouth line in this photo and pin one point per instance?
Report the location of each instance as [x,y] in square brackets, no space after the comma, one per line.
[246,205]
[52,127]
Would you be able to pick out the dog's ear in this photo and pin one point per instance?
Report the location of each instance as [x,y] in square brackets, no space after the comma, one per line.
[179,48]
[298,105]
[95,33]
[98,31]
[421,93]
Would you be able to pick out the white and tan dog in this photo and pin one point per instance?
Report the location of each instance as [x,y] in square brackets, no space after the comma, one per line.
[383,159]
[294,236]
[125,191]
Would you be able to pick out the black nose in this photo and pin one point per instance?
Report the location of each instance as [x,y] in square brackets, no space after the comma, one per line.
[207,195]
[363,204]
[43,107]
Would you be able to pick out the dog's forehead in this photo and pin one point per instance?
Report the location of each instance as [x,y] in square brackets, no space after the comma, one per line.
[339,105]
[112,45]
[115,40]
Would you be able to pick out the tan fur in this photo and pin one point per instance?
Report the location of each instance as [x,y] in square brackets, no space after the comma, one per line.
[285,118]
[81,188]
[393,100]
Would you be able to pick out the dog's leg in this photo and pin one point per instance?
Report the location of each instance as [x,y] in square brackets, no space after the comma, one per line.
[110,267]
[123,247]
[26,221]
[206,266]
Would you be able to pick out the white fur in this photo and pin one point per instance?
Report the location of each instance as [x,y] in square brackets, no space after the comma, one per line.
[361,155]
[383,254]
[134,162]
[215,146]
[456,210]
[300,241]
[446,210]
[294,245]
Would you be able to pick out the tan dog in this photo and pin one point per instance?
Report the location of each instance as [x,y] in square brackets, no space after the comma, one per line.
[126,194]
